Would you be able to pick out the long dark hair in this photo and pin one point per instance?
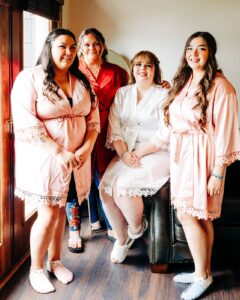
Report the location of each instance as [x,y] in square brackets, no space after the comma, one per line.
[184,72]
[151,59]
[98,35]
[45,59]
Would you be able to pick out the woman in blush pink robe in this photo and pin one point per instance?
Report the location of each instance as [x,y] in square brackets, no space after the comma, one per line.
[202,110]
[56,122]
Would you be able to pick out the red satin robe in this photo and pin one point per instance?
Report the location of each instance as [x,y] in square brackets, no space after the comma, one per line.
[110,78]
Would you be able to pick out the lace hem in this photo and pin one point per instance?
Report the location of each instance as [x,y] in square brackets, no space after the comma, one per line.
[132,191]
[39,199]
[227,159]
[199,213]
[160,143]
[113,138]
[93,126]
[30,135]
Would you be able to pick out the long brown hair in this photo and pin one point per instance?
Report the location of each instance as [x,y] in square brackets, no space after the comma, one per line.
[184,72]
[45,59]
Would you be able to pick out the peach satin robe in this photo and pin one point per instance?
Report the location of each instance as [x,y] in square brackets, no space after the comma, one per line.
[194,153]
[39,174]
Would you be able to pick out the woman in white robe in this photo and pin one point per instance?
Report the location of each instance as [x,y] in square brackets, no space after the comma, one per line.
[141,167]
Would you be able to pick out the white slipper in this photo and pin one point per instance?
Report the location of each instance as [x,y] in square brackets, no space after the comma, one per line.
[197,288]
[60,271]
[40,282]
[119,252]
[135,236]
[184,277]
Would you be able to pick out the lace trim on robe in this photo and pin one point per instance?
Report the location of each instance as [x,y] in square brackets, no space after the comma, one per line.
[131,191]
[39,199]
[192,211]
[227,159]
[30,135]
[47,200]
[93,126]
[113,138]
[163,145]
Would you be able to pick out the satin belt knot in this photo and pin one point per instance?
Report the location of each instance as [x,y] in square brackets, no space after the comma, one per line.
[179,135]
[63,118]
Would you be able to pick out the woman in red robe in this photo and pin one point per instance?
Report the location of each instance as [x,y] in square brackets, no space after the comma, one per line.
[105,79]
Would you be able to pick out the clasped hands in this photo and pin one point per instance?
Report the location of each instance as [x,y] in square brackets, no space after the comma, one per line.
[73,160]
[131,159]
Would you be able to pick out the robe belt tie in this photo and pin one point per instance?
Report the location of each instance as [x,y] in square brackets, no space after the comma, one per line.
[179,136]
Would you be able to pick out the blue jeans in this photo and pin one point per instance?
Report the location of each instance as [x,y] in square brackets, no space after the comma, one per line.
[95,202]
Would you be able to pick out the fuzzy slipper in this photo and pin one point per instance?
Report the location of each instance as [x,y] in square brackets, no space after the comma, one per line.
[119,252]
[75,245]
[60,271]
[135,236]
[40,282]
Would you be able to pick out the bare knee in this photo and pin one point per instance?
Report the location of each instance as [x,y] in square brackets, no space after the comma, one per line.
[185,219]
[48,215]
[106,199]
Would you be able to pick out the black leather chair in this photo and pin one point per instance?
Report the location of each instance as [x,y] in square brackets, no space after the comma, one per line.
[167,243]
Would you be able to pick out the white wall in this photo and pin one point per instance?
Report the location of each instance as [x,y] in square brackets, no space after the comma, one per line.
[161,27]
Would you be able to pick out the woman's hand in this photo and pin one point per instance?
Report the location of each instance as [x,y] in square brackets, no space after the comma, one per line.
[131,159]
[165,84]
[67,159]
[214,186]
[81,156]
[138,153]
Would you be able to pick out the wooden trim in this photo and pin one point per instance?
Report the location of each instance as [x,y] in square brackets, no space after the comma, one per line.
[5,279]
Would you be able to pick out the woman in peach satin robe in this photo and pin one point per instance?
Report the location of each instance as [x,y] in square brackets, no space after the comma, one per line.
[202,110]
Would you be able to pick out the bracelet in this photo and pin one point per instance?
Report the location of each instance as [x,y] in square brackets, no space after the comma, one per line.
[123,153]
[217,176]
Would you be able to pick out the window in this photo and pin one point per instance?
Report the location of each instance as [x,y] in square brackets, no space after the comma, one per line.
[35,31]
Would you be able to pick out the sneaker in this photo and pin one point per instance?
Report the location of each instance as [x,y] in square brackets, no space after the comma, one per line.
[197,288]
[184,278]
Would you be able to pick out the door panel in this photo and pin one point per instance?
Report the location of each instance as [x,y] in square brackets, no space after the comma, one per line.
[5,147]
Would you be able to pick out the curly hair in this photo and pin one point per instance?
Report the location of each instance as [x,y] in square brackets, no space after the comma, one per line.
[46,61]
[151,59]
[184,72]
[100,38]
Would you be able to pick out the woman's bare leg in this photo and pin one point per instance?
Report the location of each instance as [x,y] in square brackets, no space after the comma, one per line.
[115,217]
[197,242]
[132,209]
[54,249]
[42,233]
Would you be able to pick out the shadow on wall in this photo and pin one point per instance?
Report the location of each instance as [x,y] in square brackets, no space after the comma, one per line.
[118,59]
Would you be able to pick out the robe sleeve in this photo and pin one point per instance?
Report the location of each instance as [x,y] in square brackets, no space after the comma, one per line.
[93,119]
[162,135]
[225,118]
[27,127]
[114,132]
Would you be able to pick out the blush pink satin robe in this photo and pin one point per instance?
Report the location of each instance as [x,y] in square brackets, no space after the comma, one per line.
[39,175]
[194,153]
